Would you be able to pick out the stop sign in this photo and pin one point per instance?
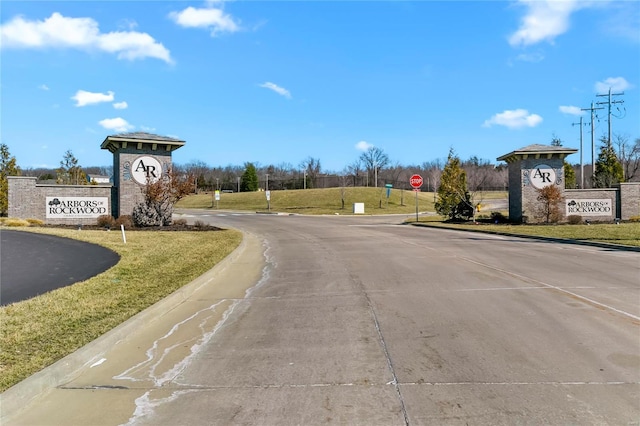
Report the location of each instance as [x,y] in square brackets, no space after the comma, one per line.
[416,181]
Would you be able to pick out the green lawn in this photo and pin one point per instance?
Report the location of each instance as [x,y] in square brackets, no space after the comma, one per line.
[624,234]
[37,332]
[317,201]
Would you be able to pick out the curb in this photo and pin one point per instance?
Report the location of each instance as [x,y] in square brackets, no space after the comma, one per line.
[66,369]
[536,237]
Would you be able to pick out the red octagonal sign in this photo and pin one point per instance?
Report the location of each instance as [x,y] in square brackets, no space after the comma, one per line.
[416,181]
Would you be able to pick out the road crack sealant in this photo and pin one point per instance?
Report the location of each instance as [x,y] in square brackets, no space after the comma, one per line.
[146,404]
[387,356]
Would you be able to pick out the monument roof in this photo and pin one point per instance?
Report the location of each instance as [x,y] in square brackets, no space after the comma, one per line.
[114,142]
[538,150]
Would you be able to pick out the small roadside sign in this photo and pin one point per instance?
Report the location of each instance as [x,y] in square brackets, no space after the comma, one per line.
[268,194]
[217,195]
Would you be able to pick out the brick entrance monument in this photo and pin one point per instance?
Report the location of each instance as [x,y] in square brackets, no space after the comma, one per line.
[138,158]
[531,168]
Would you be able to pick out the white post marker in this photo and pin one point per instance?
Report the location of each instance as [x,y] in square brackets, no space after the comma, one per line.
[124,237]
[416,182]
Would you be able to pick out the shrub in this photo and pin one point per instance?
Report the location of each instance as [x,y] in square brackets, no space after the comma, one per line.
[634,219]
[180,222]
[125,220]
[106,221]
[35,222]
[574,219]
[152,214]
[200,224]
[497,217]
[15,222]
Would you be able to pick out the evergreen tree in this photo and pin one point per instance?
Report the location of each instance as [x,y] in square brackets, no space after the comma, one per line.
[608,168]
[453,195]
[70,172]
[249,181]
[8,167]
[569,173]
[569,176]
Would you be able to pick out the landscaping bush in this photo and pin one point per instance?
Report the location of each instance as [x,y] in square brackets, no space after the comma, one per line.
[106,221]
[15,222]
[35,222]
[497,217]
[152,213]
[574,219]
[634,219]
[125,220]
[180,222]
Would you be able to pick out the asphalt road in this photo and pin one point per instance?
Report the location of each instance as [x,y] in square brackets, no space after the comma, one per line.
[364,321]
[33,264]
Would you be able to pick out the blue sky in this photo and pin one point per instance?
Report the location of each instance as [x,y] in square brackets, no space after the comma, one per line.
[277,82]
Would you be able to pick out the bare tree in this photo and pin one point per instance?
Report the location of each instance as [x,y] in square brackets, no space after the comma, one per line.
[313,168]
[549,209]
[355,170]
[374,159]
[432,171]
[629,156]
[159,198]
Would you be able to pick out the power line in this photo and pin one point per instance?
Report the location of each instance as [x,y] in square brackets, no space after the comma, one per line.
[593,142]
[581,155]
[610,102]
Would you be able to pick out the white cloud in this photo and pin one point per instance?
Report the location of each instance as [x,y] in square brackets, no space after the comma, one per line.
[571,110]
[118,124]
[121,105]
[279,90]
[84,98]
[44,87]
[514,119]
[617,84]
[544,20]
[363,146]
[62,32]
[212,19]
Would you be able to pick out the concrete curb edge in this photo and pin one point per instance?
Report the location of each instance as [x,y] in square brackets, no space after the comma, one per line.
[67,368]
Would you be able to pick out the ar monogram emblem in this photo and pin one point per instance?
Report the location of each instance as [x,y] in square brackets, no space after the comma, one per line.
[542,176]
[146,169]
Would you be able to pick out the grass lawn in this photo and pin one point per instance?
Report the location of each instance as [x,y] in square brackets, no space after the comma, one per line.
[317,201]
[624,234]
[37,332]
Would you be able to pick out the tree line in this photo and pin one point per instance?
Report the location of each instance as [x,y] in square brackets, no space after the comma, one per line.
[618,161]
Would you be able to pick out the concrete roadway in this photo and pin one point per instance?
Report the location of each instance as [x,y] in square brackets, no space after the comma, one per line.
[359,320]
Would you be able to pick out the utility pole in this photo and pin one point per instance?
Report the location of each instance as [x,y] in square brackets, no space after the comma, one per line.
[609,102]
[593,142]
[581,156]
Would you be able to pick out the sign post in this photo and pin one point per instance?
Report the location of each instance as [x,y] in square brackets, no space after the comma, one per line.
[268,194]
[416,182]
